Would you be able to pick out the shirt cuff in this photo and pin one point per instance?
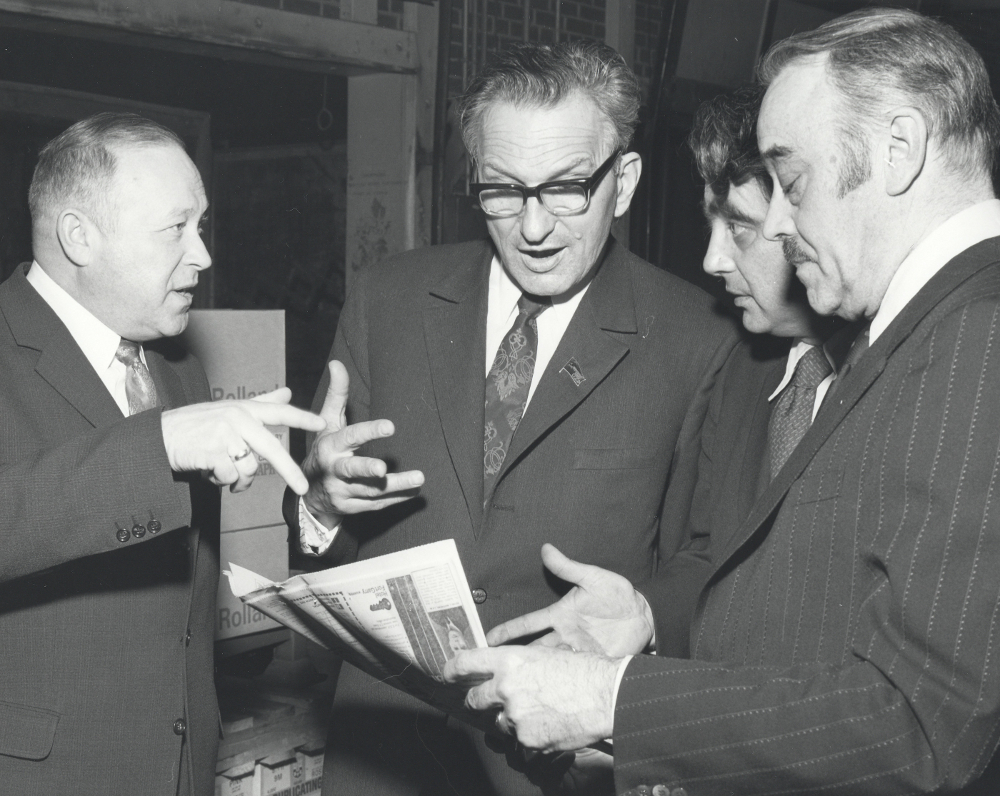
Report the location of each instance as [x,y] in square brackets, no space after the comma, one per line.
[314,537]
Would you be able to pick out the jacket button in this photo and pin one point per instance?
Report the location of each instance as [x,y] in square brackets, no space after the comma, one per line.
[479,596]
[138,531]
[180,726]
[122,535]
[662,790]
[154,526]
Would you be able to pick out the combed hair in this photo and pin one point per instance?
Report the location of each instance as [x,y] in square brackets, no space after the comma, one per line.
[78,165]
[878,56]
[723,140]
[541,75]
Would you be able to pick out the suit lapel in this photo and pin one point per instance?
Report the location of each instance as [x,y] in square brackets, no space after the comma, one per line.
[169,389]
[755,461]
[61,363]
[455,335]
[859,380]
[584,357]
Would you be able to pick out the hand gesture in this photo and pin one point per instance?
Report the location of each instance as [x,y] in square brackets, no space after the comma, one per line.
[548,699]
[340,482]
[224,439]
[602,613]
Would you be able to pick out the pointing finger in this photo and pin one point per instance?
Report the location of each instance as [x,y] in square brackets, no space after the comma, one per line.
[266,446]
[529,624]
[282,395]
[280,414]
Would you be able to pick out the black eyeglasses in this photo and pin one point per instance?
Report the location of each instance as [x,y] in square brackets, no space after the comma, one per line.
[561,197]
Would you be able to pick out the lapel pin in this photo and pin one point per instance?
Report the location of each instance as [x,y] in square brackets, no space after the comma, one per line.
[572,369]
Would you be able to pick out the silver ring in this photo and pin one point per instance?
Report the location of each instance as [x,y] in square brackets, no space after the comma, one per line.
[243,455]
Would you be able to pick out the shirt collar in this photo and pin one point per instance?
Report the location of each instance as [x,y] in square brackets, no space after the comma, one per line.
[506,293]
[799,348]
[98,343]
[964,229]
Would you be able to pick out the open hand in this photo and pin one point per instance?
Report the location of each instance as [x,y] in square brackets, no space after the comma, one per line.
[602,613]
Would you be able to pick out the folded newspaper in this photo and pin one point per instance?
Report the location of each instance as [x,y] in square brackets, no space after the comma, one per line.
[398,617]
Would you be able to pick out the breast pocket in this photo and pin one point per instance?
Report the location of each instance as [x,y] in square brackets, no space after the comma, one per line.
[824,486]
[27,732]
[611,459]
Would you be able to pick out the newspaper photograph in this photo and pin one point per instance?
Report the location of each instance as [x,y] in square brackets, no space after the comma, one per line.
[398,617]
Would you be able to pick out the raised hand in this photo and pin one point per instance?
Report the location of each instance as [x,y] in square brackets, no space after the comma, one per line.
[602,613]
[340,482]
[224,439]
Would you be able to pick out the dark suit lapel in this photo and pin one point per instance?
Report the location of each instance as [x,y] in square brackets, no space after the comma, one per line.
[860,379]
[755,462]
[169,389]
[455,335]
[584,357]
[61,363]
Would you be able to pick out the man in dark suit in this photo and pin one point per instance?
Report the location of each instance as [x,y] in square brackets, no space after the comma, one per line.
[109,532]
[615,373]
[844,642]
[771,379]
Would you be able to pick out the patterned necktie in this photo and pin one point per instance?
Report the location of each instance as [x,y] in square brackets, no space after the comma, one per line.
[139,387]
[793,410]
[507,386]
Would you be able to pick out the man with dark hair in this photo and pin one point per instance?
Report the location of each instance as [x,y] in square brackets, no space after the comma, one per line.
[845,640]
[612,358]
[109,531]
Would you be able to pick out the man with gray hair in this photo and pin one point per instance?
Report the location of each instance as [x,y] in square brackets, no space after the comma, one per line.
[845,642]
[109,531]
[543,386]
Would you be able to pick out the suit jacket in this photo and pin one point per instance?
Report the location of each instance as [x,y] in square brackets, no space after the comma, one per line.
[846,641]
[106,621]
[587,470]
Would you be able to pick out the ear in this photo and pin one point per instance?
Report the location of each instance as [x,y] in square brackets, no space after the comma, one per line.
[629,171]
[78,236]
[906,153]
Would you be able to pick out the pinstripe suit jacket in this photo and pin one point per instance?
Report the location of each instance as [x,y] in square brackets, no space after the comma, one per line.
[587,469]
[104,643]
[846,642]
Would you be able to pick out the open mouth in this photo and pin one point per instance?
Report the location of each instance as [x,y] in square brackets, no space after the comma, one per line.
[540,254]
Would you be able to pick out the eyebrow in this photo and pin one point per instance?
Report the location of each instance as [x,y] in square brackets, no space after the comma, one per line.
[776,152]
[726,210]
[552,177]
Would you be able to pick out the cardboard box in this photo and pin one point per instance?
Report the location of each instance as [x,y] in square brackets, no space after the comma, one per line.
[243,353]
[237,781]
[274,774]
[262,550]
[312,763]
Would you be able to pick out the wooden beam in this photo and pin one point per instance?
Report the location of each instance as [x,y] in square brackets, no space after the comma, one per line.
[316,43]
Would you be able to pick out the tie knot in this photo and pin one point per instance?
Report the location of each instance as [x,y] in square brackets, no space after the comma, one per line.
[532,306]
[128,352]
[812,368]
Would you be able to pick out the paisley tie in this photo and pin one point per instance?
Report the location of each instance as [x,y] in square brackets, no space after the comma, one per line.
[507,386]
[139,387]
[793,411]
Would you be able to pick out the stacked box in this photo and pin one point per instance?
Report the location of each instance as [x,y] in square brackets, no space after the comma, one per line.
[236,781]
[273,775]
[310,762]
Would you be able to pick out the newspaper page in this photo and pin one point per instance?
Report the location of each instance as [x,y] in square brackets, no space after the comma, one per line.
[399,617]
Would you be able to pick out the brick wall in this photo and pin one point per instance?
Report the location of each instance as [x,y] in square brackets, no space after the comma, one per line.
[649,21]
[390,12]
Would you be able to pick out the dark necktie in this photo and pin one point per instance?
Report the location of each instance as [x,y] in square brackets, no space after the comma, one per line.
[139,387]
[507,386]
[793,411]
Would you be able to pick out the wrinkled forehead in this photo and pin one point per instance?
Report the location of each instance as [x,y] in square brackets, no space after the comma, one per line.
[797,99]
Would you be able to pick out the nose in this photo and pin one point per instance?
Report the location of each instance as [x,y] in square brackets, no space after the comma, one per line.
[778,222]
[718,260]
[536,222]
[197,252]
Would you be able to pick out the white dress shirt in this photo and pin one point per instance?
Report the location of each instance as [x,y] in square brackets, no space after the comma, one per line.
[501,310]
[98,343]
[963,230]
[796,353]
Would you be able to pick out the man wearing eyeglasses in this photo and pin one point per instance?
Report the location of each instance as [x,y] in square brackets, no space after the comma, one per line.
[597,371]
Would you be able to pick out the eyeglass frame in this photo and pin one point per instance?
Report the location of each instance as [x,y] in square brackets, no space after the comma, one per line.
[587,183]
